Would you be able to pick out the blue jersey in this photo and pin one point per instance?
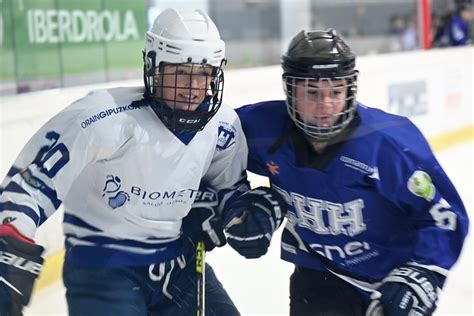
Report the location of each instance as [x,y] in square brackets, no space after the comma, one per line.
[372,201]
[456,32]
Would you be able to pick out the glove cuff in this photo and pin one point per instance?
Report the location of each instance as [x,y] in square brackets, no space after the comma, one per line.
[421,280]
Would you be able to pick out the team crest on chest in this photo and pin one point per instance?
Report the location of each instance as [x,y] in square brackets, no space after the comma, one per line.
[226,136]
[113,193]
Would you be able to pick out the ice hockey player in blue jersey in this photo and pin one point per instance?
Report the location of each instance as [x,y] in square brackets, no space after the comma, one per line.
[127,164]
[373,222]
[455,30]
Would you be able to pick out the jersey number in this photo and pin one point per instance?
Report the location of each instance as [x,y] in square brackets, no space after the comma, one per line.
[443,217]
[51,158]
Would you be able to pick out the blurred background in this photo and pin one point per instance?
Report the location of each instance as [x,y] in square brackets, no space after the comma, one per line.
[48,44]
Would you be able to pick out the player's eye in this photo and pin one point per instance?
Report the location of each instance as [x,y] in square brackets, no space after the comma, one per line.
[313,91]
[205,71]
[338,91]
[182,72]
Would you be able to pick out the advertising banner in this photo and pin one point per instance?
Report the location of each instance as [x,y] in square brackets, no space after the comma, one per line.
[57,41]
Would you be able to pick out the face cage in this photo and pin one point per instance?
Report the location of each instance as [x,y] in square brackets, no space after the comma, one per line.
[186,115]
[341,120]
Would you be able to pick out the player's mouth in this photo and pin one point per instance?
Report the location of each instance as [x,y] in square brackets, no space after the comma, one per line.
[324,120]
[186,102]
[187,97]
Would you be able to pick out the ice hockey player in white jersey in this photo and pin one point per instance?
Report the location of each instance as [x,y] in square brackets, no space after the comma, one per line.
[374,223]
[127,164]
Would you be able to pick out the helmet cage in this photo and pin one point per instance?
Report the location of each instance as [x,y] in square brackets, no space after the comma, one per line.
[312,125]
[313,63]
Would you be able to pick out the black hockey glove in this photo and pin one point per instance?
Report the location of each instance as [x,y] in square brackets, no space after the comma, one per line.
[203,222]
[20,265]
[407,290]
[251,220]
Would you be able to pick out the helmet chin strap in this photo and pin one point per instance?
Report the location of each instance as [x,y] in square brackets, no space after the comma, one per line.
[181,120]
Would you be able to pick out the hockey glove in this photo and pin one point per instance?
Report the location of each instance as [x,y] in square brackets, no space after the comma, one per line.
[407,290]
[203,222]
[251,220]
[20,265]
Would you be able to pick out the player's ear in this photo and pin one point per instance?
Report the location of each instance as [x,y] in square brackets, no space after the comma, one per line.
[158,81]
[157,78]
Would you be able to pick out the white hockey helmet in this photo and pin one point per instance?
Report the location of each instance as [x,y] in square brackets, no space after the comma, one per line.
[184,38]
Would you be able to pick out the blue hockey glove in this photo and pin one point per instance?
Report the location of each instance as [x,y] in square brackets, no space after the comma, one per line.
[172,277]
[203,222]
[251,220]
[20,265]
[407,290]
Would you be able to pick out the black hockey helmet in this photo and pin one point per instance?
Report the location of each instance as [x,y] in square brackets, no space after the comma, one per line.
[319,56]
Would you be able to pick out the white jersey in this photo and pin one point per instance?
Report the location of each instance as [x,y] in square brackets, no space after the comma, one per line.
[125,180]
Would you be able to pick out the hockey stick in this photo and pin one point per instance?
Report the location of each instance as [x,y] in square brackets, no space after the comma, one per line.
[201,277]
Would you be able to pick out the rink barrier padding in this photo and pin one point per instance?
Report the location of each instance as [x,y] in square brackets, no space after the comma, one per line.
[451,139]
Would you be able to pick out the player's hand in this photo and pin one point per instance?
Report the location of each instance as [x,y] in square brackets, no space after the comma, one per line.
[251,220]
[203,221]
[20,265]
[408,290]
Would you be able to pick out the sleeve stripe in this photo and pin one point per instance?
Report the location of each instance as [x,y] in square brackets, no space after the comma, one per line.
[43,216]
[47,191]
[15,187]
[13,171]
[9,206]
